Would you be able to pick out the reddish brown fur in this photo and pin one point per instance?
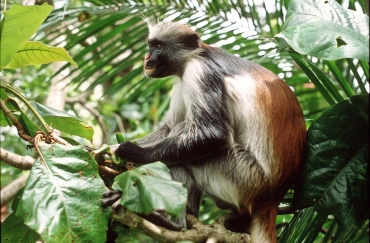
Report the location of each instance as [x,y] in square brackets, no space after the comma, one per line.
[287,131]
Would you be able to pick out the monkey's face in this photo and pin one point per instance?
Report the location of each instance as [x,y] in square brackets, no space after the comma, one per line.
[155,61]
[160,61]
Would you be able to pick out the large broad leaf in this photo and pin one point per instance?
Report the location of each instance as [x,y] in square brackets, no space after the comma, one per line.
[34,52]
[335,176]
[17,26]
[149,187]
[13,230]
[61,199]
[64,122]
[326,30]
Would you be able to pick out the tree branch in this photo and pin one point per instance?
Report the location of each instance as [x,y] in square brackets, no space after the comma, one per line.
[285,210]
[198,232]
[9,191]
[82,97]
[99,118]
[21,162]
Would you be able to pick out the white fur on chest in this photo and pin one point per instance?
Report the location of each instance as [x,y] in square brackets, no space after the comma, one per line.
[187,95]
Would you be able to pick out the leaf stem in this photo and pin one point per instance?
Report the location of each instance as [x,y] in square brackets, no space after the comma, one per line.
[4,11]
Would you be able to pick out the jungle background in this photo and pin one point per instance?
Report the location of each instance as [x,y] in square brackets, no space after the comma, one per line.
[108,90]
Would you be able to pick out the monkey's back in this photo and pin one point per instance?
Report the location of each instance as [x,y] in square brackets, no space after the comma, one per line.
[266,128]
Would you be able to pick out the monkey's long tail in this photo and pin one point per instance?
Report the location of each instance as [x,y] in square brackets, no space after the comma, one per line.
[263,228]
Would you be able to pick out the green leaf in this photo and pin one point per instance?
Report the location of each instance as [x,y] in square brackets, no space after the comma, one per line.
[61,199]
[34,52]
[149,187]
[325,81]
[119,137]
[339,77]
[305,225]
[29,126]
[312,76]
[14,230]
[70,141]
[16,199]
[326,30]
[64,122]
[18,24]
[3,95]
[334,176]
[12,106]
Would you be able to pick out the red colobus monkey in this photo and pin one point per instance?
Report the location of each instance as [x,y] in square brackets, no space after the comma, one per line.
[234,130]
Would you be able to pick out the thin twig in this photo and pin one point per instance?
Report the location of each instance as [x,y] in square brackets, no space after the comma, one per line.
[15,160]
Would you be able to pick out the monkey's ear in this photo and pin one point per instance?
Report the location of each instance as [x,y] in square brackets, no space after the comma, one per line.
[192,41]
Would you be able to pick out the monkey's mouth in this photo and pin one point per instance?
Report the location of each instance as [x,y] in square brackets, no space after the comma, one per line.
[149,71]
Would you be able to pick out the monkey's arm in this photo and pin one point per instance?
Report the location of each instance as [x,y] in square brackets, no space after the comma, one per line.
[149,139]
[201,139]
[154,137]
[200,131]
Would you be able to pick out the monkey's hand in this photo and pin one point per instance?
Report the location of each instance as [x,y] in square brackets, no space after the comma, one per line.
[130,151]
[126,151]
[112,198]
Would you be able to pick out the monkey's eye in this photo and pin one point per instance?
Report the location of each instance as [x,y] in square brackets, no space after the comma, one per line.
[159,47]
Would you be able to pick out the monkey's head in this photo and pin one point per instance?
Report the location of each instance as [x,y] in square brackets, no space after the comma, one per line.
[170,45]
